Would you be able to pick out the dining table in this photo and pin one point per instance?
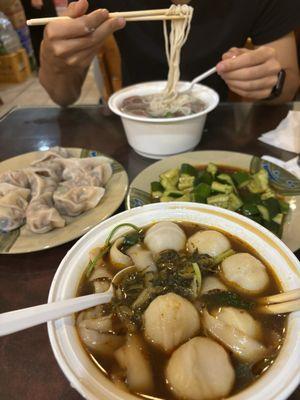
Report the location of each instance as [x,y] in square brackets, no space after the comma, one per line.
[28,368]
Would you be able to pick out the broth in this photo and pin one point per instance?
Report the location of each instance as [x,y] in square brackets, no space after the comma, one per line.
[245,373]
[141,106]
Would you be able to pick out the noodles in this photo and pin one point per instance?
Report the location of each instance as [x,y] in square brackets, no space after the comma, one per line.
[169,101]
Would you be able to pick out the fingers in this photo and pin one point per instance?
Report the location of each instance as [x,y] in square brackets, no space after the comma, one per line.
[77,8]
[247,59]
[254,85]
[270,68]
[254,95]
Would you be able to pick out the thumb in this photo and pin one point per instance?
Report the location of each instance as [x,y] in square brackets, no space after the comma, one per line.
[77,8]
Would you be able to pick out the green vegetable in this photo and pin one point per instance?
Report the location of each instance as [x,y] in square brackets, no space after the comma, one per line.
[221,187]
[130,240]
[204,177]
[241,178]
[201,192]
[156,190]
[212,169]
[249,210]
[264,212]
[227,179]
[220,200]
[278,219]
[284,207]
[259,182]
[251,198]
[273,206]
[221,257]
[185,181]
[170,178]
[219,298]
[234,202]
[175,194]
[187,169]
[273,227]
[267,194]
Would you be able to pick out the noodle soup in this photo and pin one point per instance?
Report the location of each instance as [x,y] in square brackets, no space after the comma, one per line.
[141,105]
[183,324]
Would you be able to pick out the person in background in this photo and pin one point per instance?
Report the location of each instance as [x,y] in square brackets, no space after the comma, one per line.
[220,29]
[38,9]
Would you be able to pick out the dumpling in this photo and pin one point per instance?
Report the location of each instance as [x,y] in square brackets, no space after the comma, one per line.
[76,200]
[49,169]
[17,178]
[8,187]
[40,184]
[245,273]
[41,216]
[165,236]
[141,258]
[116,257]
[12,209]
[134,359]
[208,242]
[170,320]
[200,370]
[52,154]
[238,334]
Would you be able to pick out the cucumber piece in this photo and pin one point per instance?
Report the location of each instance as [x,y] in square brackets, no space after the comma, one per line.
[185,181]
[284,207]
[205,177]
[273,227]
[241,178]
[187,169]
[268,194]
[169,179]
[221,187]
[234,202]
[250,210]
[201,192]
[156,190]
[226,178]
[259,182]
[264,212]
[273,206]
[278,218]
[220,200]
[212,169]
[175,194]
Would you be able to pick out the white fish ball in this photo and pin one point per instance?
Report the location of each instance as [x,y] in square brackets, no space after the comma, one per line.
[165,236]
[208,242]
[212,283]
[200,370]
[170,320]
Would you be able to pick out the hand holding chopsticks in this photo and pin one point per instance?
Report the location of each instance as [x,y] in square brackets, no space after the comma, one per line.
[129,16]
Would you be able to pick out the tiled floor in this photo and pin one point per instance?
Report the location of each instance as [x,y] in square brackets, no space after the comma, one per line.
[31,93]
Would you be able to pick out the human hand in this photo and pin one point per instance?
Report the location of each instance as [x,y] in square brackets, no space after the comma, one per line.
[37,4]
[250,73]
[74,43]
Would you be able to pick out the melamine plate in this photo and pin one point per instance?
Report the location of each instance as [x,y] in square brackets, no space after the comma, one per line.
[24,241]
[281,180]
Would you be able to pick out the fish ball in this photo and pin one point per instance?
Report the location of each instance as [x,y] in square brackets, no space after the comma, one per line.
[170,320]
[200,370]
[165,236]
[212,283]
[208,242]
[245,273]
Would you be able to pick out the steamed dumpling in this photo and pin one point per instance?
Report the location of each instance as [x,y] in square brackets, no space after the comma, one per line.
[55,153]
[40,185]
[12,209]
[8,187]
[245,273]
[17,178]
[41,216]
[208,242]
[237,335]
[165,236]
[170,320]
[200,370]
[133,358]
[76,200]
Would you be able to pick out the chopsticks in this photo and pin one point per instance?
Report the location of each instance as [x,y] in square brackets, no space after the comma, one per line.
[129,16]
[280,303]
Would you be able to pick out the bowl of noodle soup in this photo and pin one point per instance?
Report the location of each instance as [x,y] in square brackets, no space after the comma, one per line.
[90,378]
[156,136]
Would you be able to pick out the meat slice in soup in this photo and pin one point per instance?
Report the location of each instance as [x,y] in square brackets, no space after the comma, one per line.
[182,323]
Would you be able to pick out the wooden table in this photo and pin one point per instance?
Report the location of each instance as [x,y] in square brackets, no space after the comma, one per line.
[28,368]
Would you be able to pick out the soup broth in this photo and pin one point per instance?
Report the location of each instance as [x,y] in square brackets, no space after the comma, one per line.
[141,106]
[128,316]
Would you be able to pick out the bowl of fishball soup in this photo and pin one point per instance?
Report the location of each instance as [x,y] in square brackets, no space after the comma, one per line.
[183,322]
[155,132]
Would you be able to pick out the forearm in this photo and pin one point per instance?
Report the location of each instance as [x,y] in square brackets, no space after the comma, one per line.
[63,86]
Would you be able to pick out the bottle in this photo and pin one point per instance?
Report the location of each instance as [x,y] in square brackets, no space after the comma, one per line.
[9,40]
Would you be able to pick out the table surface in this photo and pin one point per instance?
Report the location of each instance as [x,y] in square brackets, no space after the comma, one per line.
[28,368]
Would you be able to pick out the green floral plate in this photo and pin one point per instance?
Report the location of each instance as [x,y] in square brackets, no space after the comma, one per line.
[282,181]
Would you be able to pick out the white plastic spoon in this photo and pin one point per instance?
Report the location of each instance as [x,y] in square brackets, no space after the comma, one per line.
[14,321]
[199,79]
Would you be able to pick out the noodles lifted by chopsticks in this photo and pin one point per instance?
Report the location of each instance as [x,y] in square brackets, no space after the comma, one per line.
[169,101]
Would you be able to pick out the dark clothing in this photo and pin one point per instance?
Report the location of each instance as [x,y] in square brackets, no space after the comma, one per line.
[217,26]
[37,32]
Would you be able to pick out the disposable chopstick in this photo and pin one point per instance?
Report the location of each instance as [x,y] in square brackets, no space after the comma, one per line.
[281,297]
[130,16]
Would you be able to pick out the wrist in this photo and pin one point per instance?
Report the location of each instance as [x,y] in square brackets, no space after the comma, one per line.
[278,88]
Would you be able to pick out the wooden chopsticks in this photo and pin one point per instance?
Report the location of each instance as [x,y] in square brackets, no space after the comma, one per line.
[129,16]
[280,303]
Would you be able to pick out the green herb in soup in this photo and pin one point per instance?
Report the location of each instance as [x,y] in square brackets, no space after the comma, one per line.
[236,190]
[189,304]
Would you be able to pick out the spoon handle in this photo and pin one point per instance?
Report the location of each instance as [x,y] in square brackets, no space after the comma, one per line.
[18,320]
[204,75]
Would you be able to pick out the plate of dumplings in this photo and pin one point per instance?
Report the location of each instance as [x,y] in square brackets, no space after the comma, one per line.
[51,197]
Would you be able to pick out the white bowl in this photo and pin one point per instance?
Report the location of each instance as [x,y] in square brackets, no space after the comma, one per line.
[276,384]
[161,137]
